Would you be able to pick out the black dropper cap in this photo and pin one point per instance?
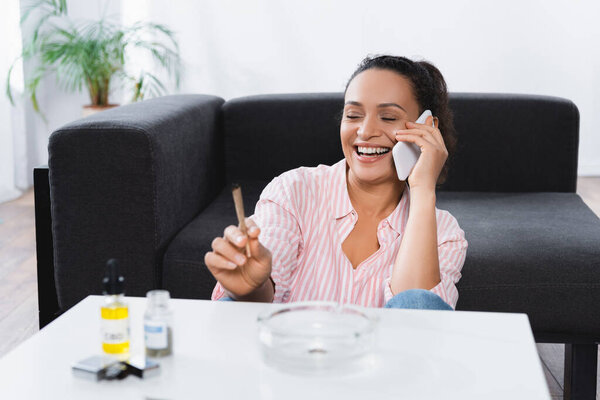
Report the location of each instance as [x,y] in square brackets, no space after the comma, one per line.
[113,282]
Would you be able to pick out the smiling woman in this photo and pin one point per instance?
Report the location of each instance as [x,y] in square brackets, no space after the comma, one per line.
[353,232]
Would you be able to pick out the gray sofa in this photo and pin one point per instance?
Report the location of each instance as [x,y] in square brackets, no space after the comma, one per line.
[149,183]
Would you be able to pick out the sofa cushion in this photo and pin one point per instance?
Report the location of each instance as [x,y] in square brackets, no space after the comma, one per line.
[184,273]
[277,132]
[534,253]
[506,142]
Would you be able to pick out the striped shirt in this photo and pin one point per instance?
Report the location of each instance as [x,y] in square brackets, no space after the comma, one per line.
[305,215]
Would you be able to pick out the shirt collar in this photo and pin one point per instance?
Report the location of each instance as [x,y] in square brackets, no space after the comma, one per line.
[341,205]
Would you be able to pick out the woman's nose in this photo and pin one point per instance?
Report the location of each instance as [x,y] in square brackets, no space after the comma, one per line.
[367,129]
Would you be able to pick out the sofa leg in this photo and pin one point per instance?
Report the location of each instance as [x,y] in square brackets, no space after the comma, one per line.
[47,298]
[581,368]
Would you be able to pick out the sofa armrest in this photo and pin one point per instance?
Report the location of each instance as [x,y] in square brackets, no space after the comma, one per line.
[123,182]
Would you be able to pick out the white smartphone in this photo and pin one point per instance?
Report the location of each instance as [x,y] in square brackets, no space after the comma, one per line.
[406,154]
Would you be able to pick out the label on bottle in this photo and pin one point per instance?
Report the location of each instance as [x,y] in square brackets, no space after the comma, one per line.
[114,330]
[155,334]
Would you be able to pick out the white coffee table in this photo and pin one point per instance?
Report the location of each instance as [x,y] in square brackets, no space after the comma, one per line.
[419,355]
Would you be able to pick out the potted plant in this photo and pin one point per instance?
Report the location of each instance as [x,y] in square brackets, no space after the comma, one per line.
[92,54]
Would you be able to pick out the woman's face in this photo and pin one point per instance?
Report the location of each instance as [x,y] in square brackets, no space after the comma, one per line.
[377,103]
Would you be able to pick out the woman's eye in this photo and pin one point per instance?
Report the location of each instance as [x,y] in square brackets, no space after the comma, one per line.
[383,118]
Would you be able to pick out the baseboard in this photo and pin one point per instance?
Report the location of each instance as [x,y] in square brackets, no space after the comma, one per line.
[589,169]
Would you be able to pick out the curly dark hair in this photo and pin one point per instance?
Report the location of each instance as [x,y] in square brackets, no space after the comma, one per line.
[430,91]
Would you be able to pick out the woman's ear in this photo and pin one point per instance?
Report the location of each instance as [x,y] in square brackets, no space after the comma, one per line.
[436,122]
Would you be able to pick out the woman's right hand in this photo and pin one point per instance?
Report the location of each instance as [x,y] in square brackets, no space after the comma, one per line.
[239,275]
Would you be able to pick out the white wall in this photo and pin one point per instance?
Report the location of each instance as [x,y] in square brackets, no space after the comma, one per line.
[12,118]
[237,48]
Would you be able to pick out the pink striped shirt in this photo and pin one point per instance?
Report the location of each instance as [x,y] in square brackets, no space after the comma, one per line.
[305,215]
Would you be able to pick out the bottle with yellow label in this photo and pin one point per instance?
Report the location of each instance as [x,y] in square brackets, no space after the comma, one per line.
[114,313]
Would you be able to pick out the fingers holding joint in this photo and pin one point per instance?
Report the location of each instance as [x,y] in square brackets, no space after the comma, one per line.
[234,235]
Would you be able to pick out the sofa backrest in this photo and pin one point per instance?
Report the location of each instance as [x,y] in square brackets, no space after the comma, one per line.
[506,142]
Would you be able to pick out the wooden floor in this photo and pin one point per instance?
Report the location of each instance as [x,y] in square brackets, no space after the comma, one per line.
[18,274]
[18,287]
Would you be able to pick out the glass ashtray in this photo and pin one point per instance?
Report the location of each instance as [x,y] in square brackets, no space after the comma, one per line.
[315,336]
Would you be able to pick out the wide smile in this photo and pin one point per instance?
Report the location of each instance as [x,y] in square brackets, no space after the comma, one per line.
[370,154]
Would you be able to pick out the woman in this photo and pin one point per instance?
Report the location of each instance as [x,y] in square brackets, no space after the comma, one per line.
[353,232]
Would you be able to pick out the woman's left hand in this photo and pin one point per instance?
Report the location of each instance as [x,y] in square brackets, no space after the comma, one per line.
[433,153]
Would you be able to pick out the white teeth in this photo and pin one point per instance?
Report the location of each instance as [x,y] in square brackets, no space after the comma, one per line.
[372,150]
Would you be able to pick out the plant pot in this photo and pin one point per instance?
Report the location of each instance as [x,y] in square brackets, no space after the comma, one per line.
[89,110]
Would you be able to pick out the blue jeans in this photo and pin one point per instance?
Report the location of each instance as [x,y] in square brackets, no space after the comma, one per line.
[413,298]
[420,299]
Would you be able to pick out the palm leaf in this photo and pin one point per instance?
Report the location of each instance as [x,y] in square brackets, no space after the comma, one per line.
[48,9]
[8,88]
[148,85]
[31,85]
